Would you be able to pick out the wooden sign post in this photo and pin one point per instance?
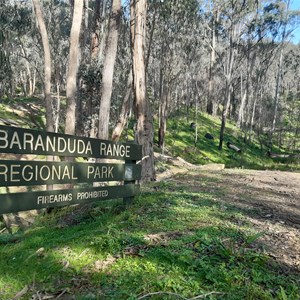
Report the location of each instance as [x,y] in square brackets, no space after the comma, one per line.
[32,173]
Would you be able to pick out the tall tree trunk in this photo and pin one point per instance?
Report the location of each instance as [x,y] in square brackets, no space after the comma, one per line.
[47,64]
[279,72]
[142,108]
[29,78]
[248,94]
[225,113]
[210,98]
[98,30]
[228,90]
[163,108]
[95,37]
[108,69]
[125,111]
[150,44]
[278,80]
[252,118]
[86,23]
[241,117]
[98,40]
[73,68]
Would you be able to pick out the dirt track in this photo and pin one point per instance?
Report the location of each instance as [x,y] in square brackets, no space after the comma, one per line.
[276,198]
[273,196]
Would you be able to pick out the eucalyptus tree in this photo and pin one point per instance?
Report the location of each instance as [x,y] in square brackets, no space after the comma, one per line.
[259,55]
[15,22]
[234,16]
[173,39]
[286,20]
[212,22]
[73,67]
[122,106]
[96,20]
[6,80]
[108,69]
[47,64]
[275,26]
[287,125]
[144,132]
[59,21]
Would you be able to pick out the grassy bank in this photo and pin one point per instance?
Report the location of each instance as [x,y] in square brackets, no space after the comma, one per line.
[173,243]
[180,141]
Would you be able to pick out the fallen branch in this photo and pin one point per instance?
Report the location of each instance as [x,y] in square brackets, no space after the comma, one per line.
[62,293]
[205,295]
[234,148]
[20,294]
[162,293]
[3,229]
[282,155]
[179,296]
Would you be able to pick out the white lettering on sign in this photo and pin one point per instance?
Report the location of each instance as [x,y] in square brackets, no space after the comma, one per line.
[15,140]
[114,150]
[17,172]
[27,175]
[27,142]
[3,172]
[3,138]
[48,199]
[96,172]
[28,139]
[14,173]
[92,195]
[39,144]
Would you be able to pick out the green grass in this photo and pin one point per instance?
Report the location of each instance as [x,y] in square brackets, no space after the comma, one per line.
[180,141]
[173,241]
[168,241]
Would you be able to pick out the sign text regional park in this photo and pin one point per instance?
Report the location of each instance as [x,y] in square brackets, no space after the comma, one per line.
[18,173]
[29,173]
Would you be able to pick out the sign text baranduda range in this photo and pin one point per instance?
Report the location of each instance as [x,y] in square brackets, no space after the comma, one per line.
[28,141]
[31,173]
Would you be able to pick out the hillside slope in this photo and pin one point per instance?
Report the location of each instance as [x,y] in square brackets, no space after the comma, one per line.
[180,141]
[180,138]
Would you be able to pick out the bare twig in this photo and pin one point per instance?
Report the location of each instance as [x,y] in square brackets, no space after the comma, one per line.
[205,295]
[3,229]
[162,293]
[83,252]
[61,294]
[179,296]
[20,294]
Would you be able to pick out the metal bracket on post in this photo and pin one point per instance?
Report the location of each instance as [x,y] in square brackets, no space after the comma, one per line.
[129,179]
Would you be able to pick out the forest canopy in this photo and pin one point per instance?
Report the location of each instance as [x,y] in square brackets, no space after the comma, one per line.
[102,66]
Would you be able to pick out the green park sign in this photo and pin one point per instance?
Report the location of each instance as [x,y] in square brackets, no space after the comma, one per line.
[27,141]
[81,174]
